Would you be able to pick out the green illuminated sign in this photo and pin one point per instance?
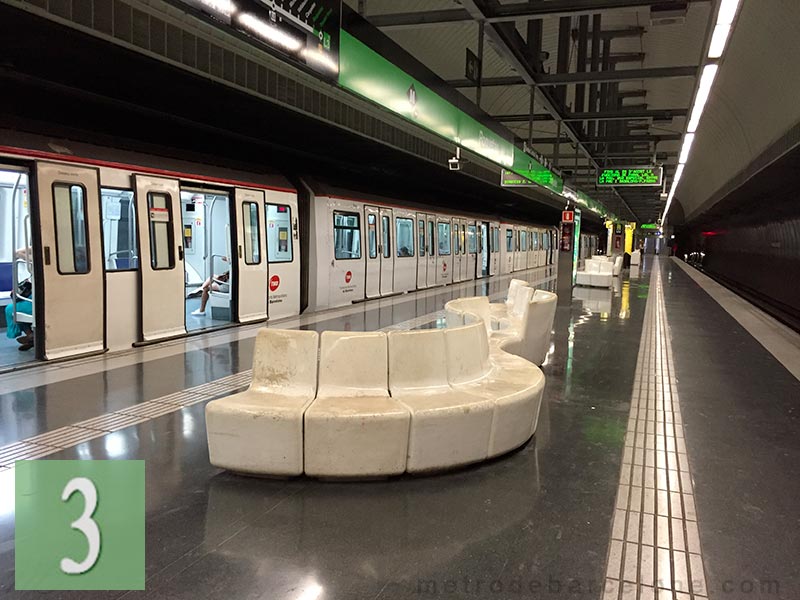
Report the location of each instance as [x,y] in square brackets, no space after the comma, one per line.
[630,176]
[648,226]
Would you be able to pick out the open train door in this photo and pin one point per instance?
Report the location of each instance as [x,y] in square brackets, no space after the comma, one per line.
[161,272]
[73,294]
[253,276]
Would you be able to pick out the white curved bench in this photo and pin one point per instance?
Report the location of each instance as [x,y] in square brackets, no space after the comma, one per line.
[477,305]
[500,310]
[617,266]
[448,427]
[514,385]
[354,428]
[596,273]
[414,401]
[260,430]
[528,333]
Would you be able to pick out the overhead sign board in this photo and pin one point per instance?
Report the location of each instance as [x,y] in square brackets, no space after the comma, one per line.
[306,32]
[630,176]
[567,216]
[649,226]
[472,70]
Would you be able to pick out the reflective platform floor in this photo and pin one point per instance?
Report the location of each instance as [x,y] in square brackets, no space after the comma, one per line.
[665,465]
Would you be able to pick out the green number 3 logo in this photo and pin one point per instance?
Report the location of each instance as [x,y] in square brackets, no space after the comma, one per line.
[85,524]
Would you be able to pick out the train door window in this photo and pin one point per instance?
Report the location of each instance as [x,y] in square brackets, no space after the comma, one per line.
[430,237]
[421,227]
[473,241]
[463,239]
[496,240]
[456,244]
[279,226]
[509,240]
[346,235]
[251,225]
[69,205]
[162,255]
[524,241]
[444,239]
[405,237]
[372,236]
[120,249]
[386,232]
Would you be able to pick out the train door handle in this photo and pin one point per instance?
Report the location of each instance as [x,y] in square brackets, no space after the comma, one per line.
[240,251]
[180,252]
[47,255]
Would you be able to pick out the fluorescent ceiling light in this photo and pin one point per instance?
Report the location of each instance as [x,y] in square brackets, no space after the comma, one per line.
[718,41]
[727,11]
[677,178]
[270,33]
[686,148]
[706,81]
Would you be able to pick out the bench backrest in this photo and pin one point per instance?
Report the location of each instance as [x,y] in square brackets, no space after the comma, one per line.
[353,364]
[523,299]
[606,268]
[513,288]
[467,355]
[539,325]
[592,266]
[285,362]
[417,359]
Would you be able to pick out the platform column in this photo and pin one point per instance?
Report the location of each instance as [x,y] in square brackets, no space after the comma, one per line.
[568,254]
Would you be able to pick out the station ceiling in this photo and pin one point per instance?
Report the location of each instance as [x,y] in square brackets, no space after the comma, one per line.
[631,112]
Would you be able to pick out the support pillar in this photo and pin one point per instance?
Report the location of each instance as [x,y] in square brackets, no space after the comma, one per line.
[568,255]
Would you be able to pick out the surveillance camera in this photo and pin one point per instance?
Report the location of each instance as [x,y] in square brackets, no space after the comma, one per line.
[454,164]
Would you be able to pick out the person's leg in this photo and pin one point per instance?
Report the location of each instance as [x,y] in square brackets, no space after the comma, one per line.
[13,330]
[204,298]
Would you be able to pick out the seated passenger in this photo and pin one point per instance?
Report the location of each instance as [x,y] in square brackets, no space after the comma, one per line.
[204,291]
[21,331]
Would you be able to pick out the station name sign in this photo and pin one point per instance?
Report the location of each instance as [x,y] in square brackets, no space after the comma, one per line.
[630,176]
[305,32]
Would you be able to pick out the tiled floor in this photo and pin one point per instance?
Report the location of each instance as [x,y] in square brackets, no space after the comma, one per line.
[643,382]
[655,545]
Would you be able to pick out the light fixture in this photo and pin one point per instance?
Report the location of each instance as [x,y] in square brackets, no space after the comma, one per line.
[688,140]
[270,33]
[703,91]
[727,12]
[678,175]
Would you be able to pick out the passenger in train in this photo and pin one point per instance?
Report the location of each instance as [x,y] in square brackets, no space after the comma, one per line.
[22,332]
[204,291]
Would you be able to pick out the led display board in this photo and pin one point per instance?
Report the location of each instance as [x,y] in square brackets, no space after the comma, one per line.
[649,226]
[630,176]
[306,32]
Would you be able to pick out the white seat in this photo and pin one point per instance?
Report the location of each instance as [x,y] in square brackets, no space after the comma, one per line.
[448,427]
[605,275]
[477,305]
[260,430]
[617,266]
[529,337]
[500,310]
[584,277]
[636,257]
[353,428]
[514,386]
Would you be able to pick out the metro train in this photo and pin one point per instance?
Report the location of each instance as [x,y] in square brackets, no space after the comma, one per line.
[104,249]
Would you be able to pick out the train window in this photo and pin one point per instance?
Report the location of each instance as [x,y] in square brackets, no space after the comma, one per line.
[69,207]
[162,253]
[472,242]
[421,227]
[444,238]
[496,240]
[372,236]
[456,244]
[534,241]
[463,239]
[431,229]
[252,234]
[279,227]
[346,235]
[405,237]
[509,240]
[120,248]
[386,233]
[523,237]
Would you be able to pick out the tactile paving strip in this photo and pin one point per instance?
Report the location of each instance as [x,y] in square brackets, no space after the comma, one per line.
[654,553]
[54,441]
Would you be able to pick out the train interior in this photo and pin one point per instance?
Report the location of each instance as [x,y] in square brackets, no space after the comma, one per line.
[16,270]
[207,250]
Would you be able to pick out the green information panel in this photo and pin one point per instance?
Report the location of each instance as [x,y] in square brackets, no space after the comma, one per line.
[630,176]
[79,525]
[649,226]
